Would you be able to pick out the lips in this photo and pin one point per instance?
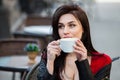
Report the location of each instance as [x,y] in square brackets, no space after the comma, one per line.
[67,37]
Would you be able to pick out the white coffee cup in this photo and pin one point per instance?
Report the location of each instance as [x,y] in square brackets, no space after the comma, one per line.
[66,44]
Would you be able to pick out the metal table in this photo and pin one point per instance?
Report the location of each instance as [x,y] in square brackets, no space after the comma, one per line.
[16,64]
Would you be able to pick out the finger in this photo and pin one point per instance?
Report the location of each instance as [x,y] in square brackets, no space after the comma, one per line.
[55,52]
[55,42]
[54,47]
[80,44]
[82,48]
[81,55]
[80,52]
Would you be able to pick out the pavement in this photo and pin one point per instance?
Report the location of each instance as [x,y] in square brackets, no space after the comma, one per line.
[105,32]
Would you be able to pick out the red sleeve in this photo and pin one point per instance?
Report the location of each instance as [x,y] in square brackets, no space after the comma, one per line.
[98,62]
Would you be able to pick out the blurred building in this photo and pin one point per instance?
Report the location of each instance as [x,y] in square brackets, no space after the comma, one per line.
[9,14]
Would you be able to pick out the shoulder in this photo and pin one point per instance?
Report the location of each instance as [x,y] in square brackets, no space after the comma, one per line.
[102,58]
[99,61]
[107,58]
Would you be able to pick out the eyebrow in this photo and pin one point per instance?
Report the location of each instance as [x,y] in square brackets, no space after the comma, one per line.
[68,22]
[71,21]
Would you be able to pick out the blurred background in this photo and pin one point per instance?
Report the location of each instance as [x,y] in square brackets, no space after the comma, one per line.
[104,18]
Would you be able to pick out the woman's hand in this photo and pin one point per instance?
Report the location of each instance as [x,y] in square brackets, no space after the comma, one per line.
[80,51]
[53,50]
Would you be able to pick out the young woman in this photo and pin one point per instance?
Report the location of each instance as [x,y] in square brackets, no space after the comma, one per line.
[85,63]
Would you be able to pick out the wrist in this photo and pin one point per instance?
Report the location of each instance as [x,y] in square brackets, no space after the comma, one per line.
[50,66]
[81,59]
[50,61]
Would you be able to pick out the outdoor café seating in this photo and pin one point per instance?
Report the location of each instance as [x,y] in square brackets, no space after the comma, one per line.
[13,58]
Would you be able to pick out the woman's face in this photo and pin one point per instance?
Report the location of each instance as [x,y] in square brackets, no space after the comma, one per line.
[69,27]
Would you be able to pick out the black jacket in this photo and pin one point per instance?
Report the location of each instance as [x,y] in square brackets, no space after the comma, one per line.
[83,69]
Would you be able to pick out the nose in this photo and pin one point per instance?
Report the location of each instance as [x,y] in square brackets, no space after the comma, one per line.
[66,30]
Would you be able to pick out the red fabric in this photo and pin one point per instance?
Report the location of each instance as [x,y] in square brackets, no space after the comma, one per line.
[99,61]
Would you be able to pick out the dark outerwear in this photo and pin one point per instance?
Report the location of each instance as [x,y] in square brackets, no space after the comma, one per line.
[83,69]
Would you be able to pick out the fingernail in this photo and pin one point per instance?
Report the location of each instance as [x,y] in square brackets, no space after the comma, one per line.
[78,40]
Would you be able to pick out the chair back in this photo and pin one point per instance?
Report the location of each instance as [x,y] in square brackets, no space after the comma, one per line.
[32,73]
[15,46]
[115,58]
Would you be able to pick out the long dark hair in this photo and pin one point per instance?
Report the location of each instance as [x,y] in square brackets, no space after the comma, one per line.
[79,14]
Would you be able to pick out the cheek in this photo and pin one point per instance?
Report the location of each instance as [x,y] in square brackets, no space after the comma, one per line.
[77,33]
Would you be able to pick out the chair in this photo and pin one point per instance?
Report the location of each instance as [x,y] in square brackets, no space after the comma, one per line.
[10,47]
[32,73]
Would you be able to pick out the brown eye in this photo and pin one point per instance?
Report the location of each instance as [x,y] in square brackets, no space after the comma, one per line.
[72,25]
[60,26]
